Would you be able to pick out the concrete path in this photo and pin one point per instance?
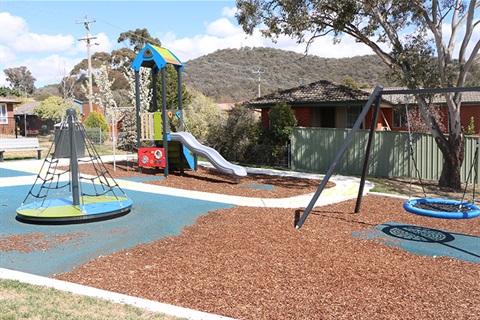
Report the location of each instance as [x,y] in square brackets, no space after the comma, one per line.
[345,187]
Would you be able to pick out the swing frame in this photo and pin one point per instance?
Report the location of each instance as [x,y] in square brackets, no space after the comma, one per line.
[374,99]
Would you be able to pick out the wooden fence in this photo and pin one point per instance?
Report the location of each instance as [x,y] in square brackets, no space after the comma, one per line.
[314,149]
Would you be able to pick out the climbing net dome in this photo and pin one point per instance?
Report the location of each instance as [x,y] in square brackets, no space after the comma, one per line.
[61,194]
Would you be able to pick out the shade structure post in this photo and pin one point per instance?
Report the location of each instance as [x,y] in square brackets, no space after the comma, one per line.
[164,121]
[137,109]
[71,114]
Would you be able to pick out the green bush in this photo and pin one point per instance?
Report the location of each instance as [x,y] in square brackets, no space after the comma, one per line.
[96,120]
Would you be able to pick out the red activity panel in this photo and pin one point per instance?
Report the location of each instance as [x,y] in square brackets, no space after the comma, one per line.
[151,157]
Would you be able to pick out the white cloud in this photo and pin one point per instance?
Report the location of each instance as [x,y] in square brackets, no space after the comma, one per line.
[36,43]
[229,12]
[101,43]
[15,35]
[223,34]
[7,56]
[223,28]
[51,69]
[3,80]
[47,57]
[11,27]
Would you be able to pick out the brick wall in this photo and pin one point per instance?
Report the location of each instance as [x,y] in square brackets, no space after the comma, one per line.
[304,116]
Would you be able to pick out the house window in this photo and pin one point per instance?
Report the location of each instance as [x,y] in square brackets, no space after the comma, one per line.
[3,114]
[399,118]
[323,117]
[352,115]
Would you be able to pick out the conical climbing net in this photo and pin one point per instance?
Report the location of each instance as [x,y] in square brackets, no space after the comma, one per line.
[57,175]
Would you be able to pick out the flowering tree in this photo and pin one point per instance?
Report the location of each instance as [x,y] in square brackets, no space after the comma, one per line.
[145,90]
[417,122]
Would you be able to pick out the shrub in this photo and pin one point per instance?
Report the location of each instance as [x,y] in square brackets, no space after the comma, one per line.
[96,120]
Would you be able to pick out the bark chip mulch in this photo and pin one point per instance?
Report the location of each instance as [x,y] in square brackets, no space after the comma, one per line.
[251,263]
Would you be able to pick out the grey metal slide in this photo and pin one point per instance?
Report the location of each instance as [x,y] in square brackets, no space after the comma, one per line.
[211,154]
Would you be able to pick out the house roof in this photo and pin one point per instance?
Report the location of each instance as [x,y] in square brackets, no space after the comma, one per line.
[314,93]
[7,100]
[26,108]
[468,97]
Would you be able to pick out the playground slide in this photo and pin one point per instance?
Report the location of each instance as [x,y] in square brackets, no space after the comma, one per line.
[211,154]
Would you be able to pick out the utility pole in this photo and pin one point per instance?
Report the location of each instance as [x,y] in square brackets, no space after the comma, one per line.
[87,39]
[259,72]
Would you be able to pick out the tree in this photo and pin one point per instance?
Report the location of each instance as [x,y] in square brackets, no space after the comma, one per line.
[420,53]
[282,120]
[20,78]
[7,92]
[237,134]
[202,115]
[138,39]
[53,109]
[417,123]
[171,86]
[96,120]
[145,88]
[104,96]
[127,137]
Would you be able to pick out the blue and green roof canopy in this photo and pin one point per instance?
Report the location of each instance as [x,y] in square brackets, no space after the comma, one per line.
[156,58]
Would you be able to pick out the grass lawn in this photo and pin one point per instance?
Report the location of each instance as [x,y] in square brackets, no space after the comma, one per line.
[24,301]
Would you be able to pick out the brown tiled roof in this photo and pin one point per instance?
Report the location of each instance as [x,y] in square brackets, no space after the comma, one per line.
[7,100]
[26,108]
[467,96]
[320,91]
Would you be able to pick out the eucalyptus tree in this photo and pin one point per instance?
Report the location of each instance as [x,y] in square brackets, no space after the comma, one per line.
[424,43]
[20,78]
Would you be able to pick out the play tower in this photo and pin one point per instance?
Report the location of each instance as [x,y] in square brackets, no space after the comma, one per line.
[169,149]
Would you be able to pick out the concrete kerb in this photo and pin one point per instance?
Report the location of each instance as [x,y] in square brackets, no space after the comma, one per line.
[345,188]
[108,295]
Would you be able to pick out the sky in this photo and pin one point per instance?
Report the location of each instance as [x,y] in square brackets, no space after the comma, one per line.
[44,35]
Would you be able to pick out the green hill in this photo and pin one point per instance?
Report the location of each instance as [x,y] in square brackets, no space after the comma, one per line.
[232,75]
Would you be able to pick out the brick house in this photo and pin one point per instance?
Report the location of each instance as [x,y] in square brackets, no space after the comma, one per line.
[322,104]
[470,108]
[328,105]
[7,119]
[28,123]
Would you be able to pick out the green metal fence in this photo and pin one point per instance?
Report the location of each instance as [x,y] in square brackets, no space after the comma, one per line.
[314,150]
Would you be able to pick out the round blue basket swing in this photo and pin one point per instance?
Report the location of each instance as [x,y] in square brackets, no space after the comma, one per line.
[442,208]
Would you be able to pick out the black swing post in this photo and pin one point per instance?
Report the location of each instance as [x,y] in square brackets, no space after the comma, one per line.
[342,150]
[366,160]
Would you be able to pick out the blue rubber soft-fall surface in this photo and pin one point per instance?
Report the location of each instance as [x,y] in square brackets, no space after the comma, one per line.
[153,217]
[425,241]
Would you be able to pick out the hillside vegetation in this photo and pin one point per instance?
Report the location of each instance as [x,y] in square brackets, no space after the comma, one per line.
[232,75]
